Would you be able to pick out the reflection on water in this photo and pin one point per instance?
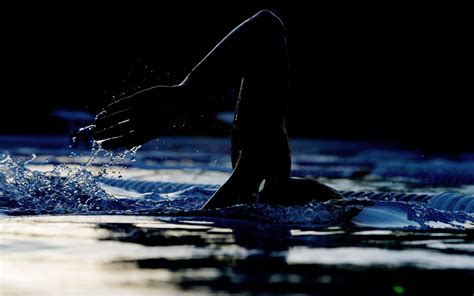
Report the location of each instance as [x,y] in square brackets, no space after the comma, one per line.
[142,231]
[123,255]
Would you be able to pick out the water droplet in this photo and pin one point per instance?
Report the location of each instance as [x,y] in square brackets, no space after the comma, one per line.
[262,186]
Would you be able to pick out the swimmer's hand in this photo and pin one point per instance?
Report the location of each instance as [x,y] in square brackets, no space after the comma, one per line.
[141,117]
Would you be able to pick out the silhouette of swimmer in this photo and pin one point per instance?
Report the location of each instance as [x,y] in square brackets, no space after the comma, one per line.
[255,55]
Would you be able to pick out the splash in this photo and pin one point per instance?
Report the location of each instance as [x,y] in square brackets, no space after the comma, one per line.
[61,190]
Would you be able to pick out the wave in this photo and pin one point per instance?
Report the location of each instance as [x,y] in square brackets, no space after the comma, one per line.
[65,190]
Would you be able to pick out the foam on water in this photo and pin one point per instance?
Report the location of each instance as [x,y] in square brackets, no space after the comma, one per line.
[78,190]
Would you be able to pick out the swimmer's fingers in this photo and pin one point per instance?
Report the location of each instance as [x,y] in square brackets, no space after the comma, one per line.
[130,140]
[122,104]
[119,129]
[108,119]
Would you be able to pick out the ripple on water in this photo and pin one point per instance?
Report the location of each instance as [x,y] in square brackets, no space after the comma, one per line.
[77,190]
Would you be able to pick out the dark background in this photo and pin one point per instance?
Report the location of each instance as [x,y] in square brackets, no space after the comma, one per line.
[385,73]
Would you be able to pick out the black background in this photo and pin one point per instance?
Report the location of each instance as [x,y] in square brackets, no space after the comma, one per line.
[386,73]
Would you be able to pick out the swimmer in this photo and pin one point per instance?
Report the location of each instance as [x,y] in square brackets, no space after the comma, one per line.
[253,56]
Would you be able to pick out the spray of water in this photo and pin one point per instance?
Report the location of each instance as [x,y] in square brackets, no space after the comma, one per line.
[63,189]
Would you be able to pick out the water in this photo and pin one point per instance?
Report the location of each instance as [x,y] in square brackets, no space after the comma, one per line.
[131,224]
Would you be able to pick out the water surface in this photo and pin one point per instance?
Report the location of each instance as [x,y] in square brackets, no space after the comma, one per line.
[75,224]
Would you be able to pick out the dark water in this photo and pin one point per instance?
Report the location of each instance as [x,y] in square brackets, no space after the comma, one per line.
[76,224]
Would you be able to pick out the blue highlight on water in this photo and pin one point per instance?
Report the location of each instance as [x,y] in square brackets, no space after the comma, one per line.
[78,190]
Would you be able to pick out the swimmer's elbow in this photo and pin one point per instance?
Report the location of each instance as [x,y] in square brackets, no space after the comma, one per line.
[269,18]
